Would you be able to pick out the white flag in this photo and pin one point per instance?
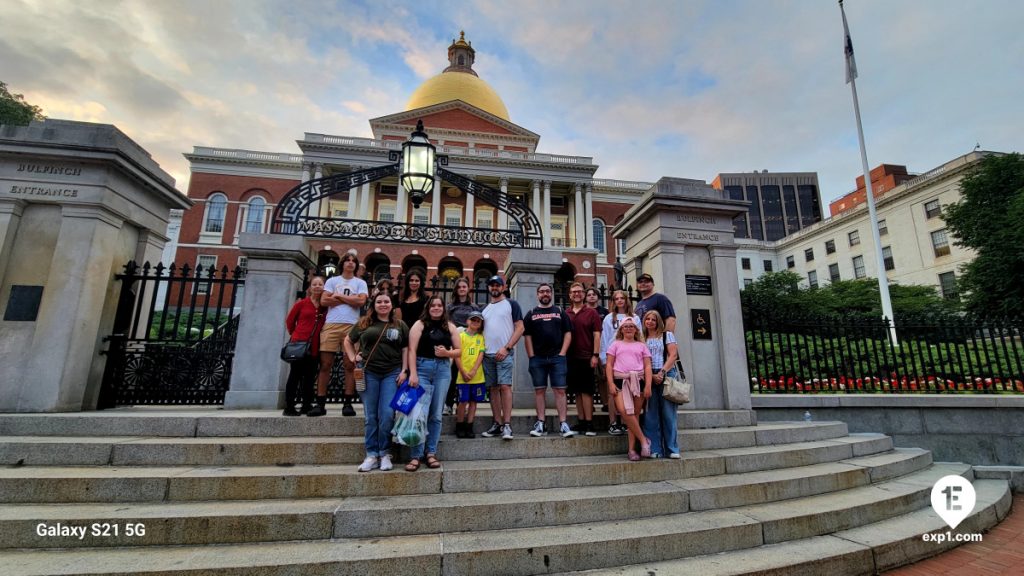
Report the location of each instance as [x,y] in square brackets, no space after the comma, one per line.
[851,64]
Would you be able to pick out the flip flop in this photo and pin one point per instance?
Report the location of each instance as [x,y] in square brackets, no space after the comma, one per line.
[433,462]
[413,465]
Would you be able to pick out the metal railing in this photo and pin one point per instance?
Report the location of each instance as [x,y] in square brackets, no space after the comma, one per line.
[948,355]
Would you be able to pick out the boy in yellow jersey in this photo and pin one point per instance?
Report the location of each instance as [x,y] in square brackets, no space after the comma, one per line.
[470,382]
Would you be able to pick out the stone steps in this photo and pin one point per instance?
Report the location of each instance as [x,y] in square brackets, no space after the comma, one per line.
[273,520]
[257,493]
[185,422]
[733,541]
[286,450]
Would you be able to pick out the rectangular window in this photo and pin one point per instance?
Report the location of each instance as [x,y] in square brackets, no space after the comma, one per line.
[830,246]
[883,227]
[339,209]
[421,215]
[890,264]
[947,286]
[790,262]
[812,279]
[745,263]
[932,208]
[243,263]
[558,201]
[854,237]
[558,234]
[940,241]
[484,218]
[747,282]
[620,247]
[203,264]
[387,190]
[833,273]
[453,216]
[386,212]
[767,265]
[809,255]
[858,267]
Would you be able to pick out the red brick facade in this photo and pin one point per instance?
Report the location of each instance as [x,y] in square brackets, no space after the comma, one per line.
[884,177]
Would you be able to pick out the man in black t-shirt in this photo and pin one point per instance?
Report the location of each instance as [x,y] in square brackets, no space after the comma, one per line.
[548,333]
[652,300]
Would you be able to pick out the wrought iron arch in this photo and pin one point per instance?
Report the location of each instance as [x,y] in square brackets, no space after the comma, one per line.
[290,214]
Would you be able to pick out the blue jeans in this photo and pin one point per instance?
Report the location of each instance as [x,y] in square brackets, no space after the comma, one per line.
[380,416]
[543,367]
[435,375]
[660,421]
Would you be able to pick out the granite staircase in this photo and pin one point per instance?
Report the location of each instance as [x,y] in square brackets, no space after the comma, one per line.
[194,491]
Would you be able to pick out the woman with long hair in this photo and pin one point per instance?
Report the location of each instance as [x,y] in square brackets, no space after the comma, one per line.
[304,322]
[379,343]
[459,309]
[433,342]
[622,308]
[629,378]
[661,417]
[413,299]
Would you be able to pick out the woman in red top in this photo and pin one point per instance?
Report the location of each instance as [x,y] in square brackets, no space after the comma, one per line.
[304,322]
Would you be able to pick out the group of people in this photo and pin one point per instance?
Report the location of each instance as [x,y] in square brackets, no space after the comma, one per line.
[389,339]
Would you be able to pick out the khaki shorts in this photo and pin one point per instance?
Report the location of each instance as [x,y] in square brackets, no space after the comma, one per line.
[332,337]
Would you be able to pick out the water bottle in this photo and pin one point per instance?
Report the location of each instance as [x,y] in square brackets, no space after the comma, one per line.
[807,416]
[360,378]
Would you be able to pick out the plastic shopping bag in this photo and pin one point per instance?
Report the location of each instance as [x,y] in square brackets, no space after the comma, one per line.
[411,429]
[406,397]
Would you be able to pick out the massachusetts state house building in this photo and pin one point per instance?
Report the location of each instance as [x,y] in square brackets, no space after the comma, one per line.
[236,191]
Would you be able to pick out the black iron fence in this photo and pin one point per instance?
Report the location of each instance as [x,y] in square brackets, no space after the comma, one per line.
[948,355]
[174,334]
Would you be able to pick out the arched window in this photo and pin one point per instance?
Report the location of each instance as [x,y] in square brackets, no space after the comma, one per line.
[254,215]
[216,206]
[599,236]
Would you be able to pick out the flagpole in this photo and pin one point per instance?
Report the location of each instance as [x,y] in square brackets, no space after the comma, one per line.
[883,281]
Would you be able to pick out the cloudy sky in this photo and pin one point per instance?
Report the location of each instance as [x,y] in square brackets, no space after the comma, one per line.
[648,88]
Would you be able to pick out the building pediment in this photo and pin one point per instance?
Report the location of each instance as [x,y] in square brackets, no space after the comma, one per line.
[454,119]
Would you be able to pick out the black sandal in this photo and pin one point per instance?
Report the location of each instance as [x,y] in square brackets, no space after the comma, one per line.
[433,462]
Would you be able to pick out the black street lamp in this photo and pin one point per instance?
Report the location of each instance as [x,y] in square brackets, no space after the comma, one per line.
[418,166]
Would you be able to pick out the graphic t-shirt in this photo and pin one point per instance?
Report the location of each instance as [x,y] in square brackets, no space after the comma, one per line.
[343,313]
[472,347]
[546,328]
[387,355]
[658,351]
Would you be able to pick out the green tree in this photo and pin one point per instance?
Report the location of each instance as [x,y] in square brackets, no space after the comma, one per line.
[15,110]
[989,218]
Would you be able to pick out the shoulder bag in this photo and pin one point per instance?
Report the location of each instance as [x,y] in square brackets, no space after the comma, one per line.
[357,373]
[675,390]
[295,351]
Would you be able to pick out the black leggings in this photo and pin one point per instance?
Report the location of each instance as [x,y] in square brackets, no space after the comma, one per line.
[301,386]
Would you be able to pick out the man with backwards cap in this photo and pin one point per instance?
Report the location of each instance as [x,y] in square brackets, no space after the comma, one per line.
[503,326]
[651,300]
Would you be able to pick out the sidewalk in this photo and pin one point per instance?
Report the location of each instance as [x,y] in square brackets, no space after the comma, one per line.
[1000,553]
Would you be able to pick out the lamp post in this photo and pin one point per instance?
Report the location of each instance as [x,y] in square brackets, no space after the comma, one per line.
[418,166]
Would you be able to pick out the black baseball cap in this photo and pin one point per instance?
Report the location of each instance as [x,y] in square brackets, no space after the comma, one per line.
[645,277]
[496,280]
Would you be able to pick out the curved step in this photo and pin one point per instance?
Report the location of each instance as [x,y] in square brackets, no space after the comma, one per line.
[712,542]
[281,450]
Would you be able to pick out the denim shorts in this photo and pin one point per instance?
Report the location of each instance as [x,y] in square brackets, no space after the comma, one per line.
[498,373]
[548,368]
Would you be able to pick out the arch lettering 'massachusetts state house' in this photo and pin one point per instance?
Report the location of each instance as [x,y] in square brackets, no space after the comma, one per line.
[236,191]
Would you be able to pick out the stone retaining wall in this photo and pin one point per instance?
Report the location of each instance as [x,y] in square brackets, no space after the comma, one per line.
[980,430]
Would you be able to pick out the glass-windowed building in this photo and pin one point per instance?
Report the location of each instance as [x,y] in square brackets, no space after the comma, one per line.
[781,203]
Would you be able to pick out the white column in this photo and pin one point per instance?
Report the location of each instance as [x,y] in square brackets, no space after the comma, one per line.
[581,229]
[588,215]
[470,219]
[535,202]
[435,202]
[402,204]
[364,201]
[315,208]
[305,171]
[503,217]
[354,208]
[546,210]
[371,202]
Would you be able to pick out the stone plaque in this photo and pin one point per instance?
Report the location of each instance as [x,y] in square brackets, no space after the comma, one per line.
[23,305]
[700,322]
[697,285]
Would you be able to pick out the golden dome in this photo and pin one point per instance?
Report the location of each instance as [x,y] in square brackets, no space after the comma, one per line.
[459,82]
[449,86]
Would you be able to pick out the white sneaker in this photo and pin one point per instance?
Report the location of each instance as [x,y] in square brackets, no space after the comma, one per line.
[370,463]
[506,432]
[566,431]
[675,456]
[385,463]
[538,429]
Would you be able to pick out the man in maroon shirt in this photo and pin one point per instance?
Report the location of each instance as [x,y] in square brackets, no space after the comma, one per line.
[583,356]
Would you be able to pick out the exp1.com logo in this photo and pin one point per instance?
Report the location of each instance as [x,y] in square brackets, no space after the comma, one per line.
[953,499]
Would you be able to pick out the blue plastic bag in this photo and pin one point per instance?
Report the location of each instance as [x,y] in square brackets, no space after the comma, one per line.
[411,429]
[406,397]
